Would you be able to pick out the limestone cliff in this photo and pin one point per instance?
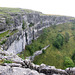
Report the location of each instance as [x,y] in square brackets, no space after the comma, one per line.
[29,25]
[34,23]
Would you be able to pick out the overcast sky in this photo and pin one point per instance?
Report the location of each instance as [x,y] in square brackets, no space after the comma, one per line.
[58,7]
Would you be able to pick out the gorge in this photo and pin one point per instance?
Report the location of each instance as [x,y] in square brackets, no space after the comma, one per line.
[24,26]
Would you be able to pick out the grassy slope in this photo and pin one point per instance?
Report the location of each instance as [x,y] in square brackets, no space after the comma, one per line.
[53,56]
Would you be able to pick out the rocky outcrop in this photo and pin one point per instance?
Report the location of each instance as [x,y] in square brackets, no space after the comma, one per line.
[26,67]
[71,71]
[2,24]
[7,70]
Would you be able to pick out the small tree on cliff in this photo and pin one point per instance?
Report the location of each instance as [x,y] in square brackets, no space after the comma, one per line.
[23,25]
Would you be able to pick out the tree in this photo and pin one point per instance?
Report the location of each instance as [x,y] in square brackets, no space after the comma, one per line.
[73,35]
[68,62]
[73,26]
[66,37]
[58,42]
[44,34]
[43,51]
[73,57]
[23,25]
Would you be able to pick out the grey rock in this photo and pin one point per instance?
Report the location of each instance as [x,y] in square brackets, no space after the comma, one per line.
[6,70]
[12,64]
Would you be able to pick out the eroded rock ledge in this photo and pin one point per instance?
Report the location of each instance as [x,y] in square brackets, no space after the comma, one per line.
[26,67]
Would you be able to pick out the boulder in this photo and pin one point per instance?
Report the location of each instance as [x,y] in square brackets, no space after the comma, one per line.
[71,71]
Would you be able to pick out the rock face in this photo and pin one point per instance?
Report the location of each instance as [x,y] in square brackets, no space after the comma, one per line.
[15,43]
[34,24]
[2,24]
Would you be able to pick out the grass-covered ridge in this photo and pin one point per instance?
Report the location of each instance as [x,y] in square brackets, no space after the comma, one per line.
[54,56]
[6,10]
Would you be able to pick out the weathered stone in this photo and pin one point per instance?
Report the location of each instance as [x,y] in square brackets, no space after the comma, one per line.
[6,70]
[12,64]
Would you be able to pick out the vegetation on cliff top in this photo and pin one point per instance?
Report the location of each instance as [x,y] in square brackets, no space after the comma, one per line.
[4,11]
[5,35]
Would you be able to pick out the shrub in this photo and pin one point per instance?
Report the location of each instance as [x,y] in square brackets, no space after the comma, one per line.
[68,62]
[43,51]
[31,49]
[23,25]
[40,47]
[44,35]
[58,42]
[7,61]
[3,41]
[73,27]
[53,26]
[73,57]
[7,35]
[73,35]
[31,24]
[66,37]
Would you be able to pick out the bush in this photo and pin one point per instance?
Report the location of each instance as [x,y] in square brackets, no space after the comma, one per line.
[31,24]
[68,62]
[7,35]
[23,25]
[58,42]
[44,35]
[73,27]
[7,61]
[66,37]
[3,41]
[43,51]
[31,49]
[53,26]
[73,35]
[40,47]
[73,57]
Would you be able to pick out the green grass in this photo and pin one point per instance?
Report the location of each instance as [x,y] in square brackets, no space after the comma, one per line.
[5,61]
[5,35]
[6,10]
[2,35]
[52,56]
